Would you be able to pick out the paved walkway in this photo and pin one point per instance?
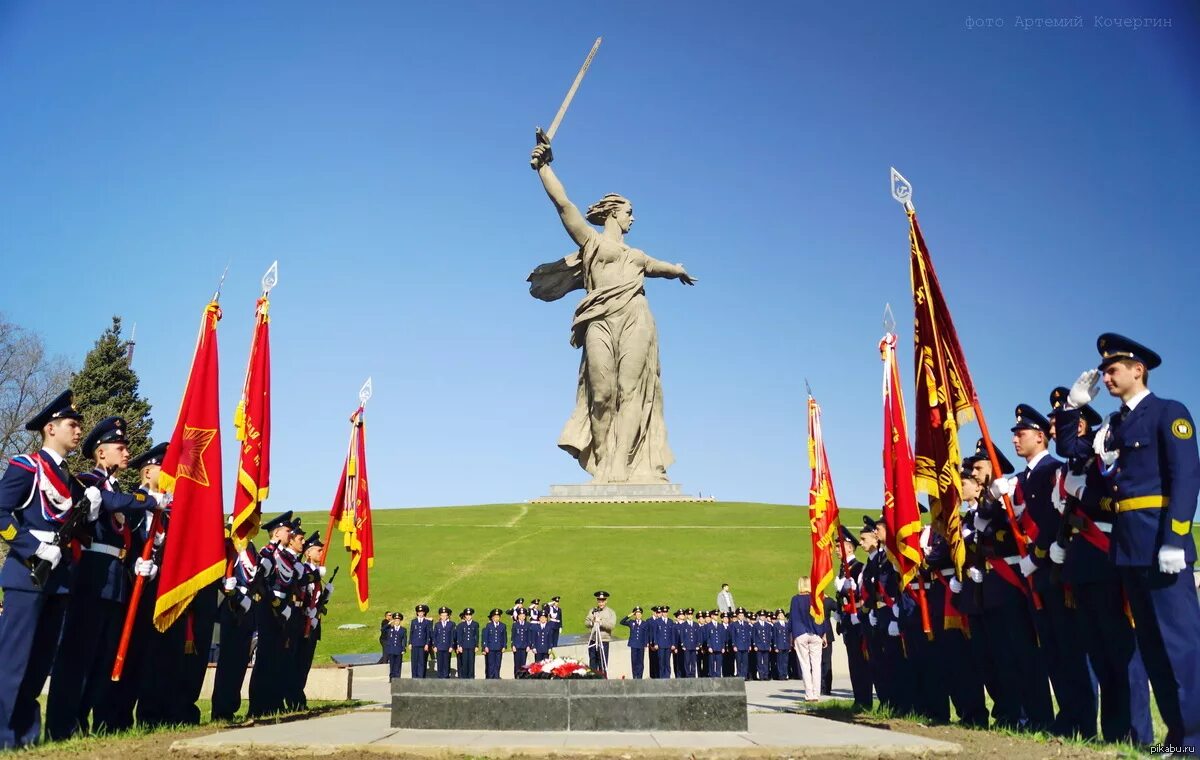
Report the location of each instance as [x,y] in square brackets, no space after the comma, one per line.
[774,730]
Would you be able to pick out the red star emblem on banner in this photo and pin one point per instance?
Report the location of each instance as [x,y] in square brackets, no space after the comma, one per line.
[191,458]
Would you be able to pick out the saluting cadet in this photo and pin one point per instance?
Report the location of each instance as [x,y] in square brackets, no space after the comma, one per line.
[495,641]
[639,631]
[850,623]
[554,615]
[522,642]
[268,681]
[716,643]
[420,639]
[1062,657]
[442,641]
[35,499]
[395,642]
[741,638]
[781,644]
[1022,695]
[466,641]
[1149,460]
[518,606]
[534,611]
[1102,624]
[100,592]
[540,636]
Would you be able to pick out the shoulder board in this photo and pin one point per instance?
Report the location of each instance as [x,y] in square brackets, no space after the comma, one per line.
[25,462]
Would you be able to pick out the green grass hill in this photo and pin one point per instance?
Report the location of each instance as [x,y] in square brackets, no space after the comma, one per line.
[487,556]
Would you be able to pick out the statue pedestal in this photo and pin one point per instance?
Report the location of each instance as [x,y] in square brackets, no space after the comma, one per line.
[587,493]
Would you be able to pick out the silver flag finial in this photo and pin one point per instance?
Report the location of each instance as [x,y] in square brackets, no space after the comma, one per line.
[364,393]
[221,283]
[271,277]
[889,320]
[902,190]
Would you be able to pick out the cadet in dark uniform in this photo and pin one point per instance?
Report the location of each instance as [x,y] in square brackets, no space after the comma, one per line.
[420,639]
[442,641]
[740,640]
[651,632]
[495,641]
[639,631]
[762,646]
[1087,569]
[965,655]
[850,622]
[716,643]
[781,645]
[395,642]
[35,498]
[1150,464]
[554,615]
[521,641]
[931,692]
[100,593]
[687,639]
[540,636]
[677,651]
[270,678]
[466,641]
[518,606]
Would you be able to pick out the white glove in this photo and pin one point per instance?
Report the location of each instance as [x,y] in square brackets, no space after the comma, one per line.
[1028,566]
[975,574]
[956,585]
[165,499]
[160,537]
[981,523]
[53,554]
[230,583]
[893,628]
[854,618]
[145,568]
[1170,560]
[329,588]
[92,494]
[896,610]
[287,612]
[1002,487]
[1058,498]
[321,570]
[1075,484]
[1084,391]
[1058,555]
[840,582]
[871,618]
[1107,457]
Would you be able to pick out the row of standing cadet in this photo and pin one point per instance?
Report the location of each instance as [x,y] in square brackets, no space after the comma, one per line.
[1085,592]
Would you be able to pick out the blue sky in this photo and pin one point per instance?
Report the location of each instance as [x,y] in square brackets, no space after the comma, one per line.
[380,152]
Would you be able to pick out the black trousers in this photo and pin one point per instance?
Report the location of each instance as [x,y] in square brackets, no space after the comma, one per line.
[237,633]
[1021,680]
[860,669]
[83,665]
[1065,662]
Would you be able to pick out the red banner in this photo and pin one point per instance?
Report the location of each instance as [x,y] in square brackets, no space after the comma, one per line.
[253,423]
[945,395]
[352,510]
[194,553]
[822,513]
[900,511]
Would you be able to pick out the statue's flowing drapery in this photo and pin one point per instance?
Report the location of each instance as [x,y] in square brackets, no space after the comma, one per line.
[608,315]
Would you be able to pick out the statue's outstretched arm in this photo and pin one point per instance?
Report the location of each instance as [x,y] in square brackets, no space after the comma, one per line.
[573,221]
[656,268]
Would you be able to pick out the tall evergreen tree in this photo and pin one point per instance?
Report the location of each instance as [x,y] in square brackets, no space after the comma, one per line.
[108,386]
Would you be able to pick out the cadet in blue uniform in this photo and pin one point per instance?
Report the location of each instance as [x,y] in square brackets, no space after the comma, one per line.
[521,641]
[395,642]
[965,655]
[781,644]
[716,643]
[442,641]
[35,498]
[314,598]
[1064,659]
[761,646]
[100,592]
[466,641]
[931,692]
[651,629]
[420,638]
[677,651]
[554,616]
[639,631]
[740,640]
[540,636]
[1152,473]
[495,641]
[687,640]
[517,608]
[1087,569]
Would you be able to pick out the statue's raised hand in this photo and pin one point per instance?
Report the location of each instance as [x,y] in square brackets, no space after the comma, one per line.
[684,277]
[542,154]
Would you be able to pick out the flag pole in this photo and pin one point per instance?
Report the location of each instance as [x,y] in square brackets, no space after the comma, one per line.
[841,540]
[135,597]
[364,395]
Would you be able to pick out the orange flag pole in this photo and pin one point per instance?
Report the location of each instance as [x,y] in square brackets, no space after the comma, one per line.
[135,597]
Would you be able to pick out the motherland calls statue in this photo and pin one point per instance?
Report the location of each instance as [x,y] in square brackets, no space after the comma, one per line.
[617,431]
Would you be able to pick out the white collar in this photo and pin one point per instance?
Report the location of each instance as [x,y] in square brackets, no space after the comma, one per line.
[54,455]
[1137,399]
[1037,458]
